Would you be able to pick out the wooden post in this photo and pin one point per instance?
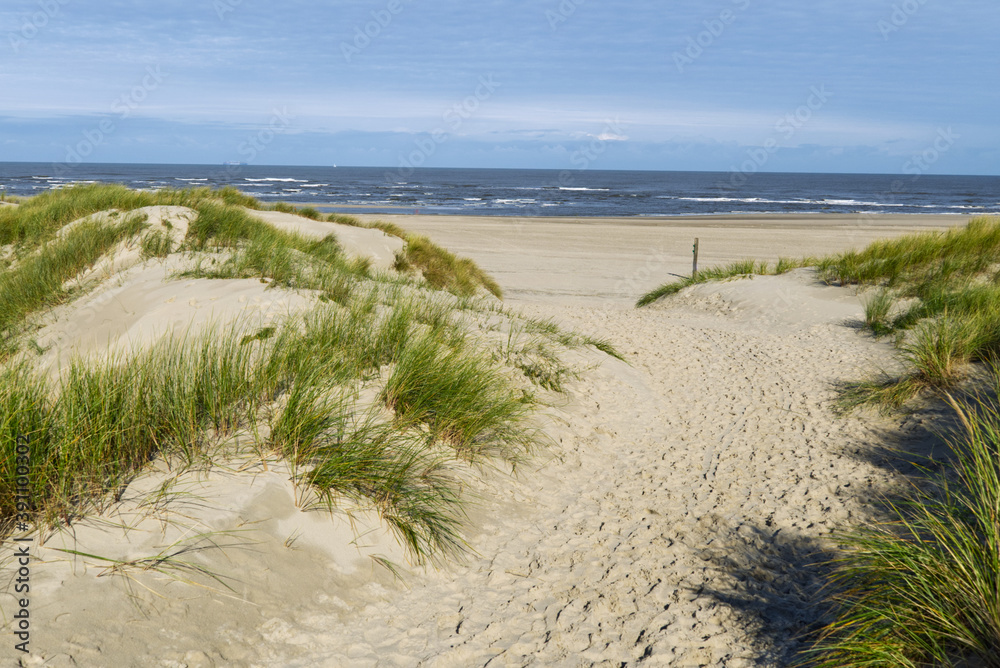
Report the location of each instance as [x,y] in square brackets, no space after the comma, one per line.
[694,265]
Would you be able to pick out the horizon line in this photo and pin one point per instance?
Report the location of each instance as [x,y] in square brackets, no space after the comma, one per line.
[534,169]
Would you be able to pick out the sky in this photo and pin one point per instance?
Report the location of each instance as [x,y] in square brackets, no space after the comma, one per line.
[864,86]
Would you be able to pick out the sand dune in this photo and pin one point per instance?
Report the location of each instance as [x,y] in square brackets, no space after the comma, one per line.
[673,519]
[375,245]
[136,303]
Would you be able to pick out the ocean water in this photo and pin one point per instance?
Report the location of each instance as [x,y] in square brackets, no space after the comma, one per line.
[529,192]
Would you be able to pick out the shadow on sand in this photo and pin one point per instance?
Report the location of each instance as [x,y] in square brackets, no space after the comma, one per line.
[781,583]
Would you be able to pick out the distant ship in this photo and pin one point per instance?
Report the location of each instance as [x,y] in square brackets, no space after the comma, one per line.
[234,164]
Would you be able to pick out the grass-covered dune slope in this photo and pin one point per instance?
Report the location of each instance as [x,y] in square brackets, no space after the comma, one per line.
[380,392]
[923,588]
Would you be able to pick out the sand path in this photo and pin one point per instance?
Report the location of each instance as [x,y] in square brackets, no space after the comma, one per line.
[673,522]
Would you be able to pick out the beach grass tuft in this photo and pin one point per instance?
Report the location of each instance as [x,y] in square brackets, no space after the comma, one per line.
[877,309]
[949,281]
[463,399]
[420,348]
[737,269]
[443,270]
[233,197]
[344,219]
[38,280]
[309,212]
[439,267]
[410,484]
[922,589]
[38,218]
[443,397]
[181,398]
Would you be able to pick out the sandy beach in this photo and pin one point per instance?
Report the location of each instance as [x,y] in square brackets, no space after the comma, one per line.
[619,259]
[557,334]
[677,516]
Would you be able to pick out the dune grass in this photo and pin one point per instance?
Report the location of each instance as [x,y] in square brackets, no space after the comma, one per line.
[156,244]
[38,218]
[443,270]
[283,207]
[444,396]
[410,484]
[916,260]
[261,251]
[41,216]
[37,281]
[916,265]
[924,589]
[184,396]
[464,399]
[877,309]
[309,212]
[737,269]
[40,262]
[439,267]
[551,330]
[938,293]
[344,219]
[103,422]
[535,357]
[171,561]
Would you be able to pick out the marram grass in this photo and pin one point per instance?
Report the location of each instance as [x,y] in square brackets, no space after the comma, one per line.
[924,588]
[37,281]
[951,316]
[463,398]
[38,218]
[737,269]
[439,267]
[222,223]
[409,483]
[446,396]
[182,397]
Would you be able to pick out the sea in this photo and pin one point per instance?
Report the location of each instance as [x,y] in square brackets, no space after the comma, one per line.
[537,192]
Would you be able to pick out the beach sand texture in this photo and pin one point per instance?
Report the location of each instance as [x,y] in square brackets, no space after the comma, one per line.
[676,517]
[586,260]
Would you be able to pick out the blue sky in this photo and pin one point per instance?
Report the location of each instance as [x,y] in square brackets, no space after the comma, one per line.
[771,85]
